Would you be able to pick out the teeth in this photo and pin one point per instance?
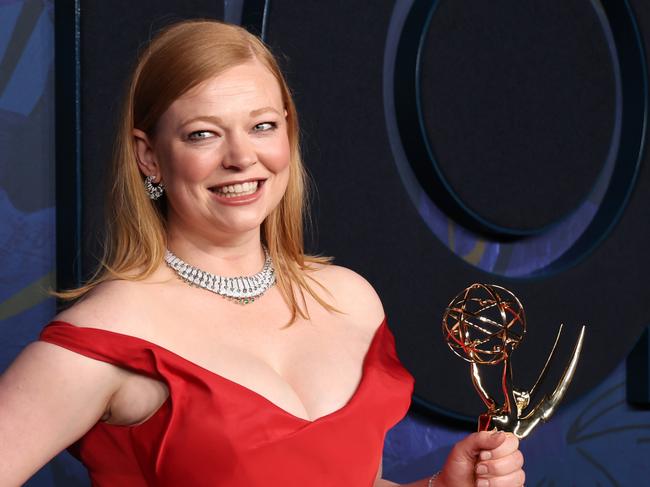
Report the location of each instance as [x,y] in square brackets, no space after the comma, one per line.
[240,189]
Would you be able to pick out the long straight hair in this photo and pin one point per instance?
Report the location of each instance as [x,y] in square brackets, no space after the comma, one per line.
[177,59]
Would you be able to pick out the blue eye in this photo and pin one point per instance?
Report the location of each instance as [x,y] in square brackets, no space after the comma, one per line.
[265,126]
[200,135]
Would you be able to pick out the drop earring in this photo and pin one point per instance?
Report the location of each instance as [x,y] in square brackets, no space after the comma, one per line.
[154,190]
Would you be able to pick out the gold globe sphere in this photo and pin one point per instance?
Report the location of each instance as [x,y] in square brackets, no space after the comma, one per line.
[484,323]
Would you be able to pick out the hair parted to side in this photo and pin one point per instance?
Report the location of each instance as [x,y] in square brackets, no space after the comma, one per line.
[176,60]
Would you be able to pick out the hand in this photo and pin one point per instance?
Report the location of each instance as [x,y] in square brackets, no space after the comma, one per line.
[485,459]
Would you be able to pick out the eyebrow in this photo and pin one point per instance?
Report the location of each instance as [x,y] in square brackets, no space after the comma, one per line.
[216,120]
[259,111]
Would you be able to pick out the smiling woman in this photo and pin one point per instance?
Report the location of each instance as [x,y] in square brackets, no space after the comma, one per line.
[222,150]
[292,379]
[225,106]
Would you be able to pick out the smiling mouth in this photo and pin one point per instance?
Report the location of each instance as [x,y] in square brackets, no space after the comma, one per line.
[238,189]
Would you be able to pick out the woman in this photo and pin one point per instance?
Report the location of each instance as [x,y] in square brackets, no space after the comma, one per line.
[151,375]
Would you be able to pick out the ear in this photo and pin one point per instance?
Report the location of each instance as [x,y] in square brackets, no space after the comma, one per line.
[145,154]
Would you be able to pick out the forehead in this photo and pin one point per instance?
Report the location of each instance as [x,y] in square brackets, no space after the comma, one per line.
[244,87]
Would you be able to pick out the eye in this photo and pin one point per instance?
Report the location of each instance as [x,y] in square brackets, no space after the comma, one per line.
[200,135]
[265,126]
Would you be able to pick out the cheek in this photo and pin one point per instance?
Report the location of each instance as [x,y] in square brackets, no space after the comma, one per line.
[278,156]
[187,166]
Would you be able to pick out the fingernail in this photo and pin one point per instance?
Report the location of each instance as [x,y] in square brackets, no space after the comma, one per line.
[483,483]
[485,455]
[481,469]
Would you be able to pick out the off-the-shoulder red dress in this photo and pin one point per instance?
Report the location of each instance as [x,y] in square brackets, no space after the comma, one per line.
[214,432]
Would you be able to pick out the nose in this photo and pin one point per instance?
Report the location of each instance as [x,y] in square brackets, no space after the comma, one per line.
[240,152]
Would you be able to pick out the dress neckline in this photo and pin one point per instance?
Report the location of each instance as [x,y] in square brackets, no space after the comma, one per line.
[373,343]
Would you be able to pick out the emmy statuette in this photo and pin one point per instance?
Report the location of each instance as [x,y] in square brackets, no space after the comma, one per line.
[483,325]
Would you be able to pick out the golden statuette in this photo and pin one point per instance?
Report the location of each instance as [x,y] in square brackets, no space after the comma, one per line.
[483,325]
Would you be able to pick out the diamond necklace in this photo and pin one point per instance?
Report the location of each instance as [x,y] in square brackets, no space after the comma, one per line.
[241,289]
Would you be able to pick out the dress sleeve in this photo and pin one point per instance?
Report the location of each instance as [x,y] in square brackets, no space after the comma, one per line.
[124,351]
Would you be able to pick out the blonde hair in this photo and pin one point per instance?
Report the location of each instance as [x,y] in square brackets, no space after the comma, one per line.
[176,60]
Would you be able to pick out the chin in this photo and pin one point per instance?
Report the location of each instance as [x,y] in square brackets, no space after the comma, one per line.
[241,225]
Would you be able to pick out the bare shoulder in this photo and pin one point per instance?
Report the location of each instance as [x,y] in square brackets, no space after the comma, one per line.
[350,292]
[116,305]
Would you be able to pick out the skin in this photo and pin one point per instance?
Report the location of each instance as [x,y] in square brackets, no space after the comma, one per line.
[230,128]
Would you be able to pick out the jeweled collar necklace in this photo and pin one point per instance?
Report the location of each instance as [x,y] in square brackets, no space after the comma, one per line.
[241,289]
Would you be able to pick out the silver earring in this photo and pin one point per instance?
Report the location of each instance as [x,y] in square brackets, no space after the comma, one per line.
[154,191]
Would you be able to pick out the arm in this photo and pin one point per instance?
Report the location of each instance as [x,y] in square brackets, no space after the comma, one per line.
[49,397]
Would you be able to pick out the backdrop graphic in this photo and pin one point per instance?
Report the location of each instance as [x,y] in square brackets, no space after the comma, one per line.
[340,58]
[27,193]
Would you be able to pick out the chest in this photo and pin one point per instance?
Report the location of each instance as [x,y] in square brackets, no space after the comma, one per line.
[309,369]
[213,432]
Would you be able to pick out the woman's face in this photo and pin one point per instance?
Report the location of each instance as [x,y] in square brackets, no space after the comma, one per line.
[222,151]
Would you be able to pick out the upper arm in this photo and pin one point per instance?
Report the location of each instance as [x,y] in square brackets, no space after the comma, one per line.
[49,397]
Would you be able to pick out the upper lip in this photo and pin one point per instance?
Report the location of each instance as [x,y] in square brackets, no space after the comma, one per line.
[230,183]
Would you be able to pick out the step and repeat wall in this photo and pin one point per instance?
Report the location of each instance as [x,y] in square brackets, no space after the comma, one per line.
[27,191]
[449,142]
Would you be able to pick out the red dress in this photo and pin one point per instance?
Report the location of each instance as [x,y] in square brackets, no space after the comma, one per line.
[214,432]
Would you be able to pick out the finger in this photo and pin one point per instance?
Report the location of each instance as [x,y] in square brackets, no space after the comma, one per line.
[460,466]
[509,445]
[501,466]
[514,479]
[477,443]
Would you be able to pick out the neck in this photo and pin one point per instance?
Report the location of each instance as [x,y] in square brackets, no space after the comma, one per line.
[237,255]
